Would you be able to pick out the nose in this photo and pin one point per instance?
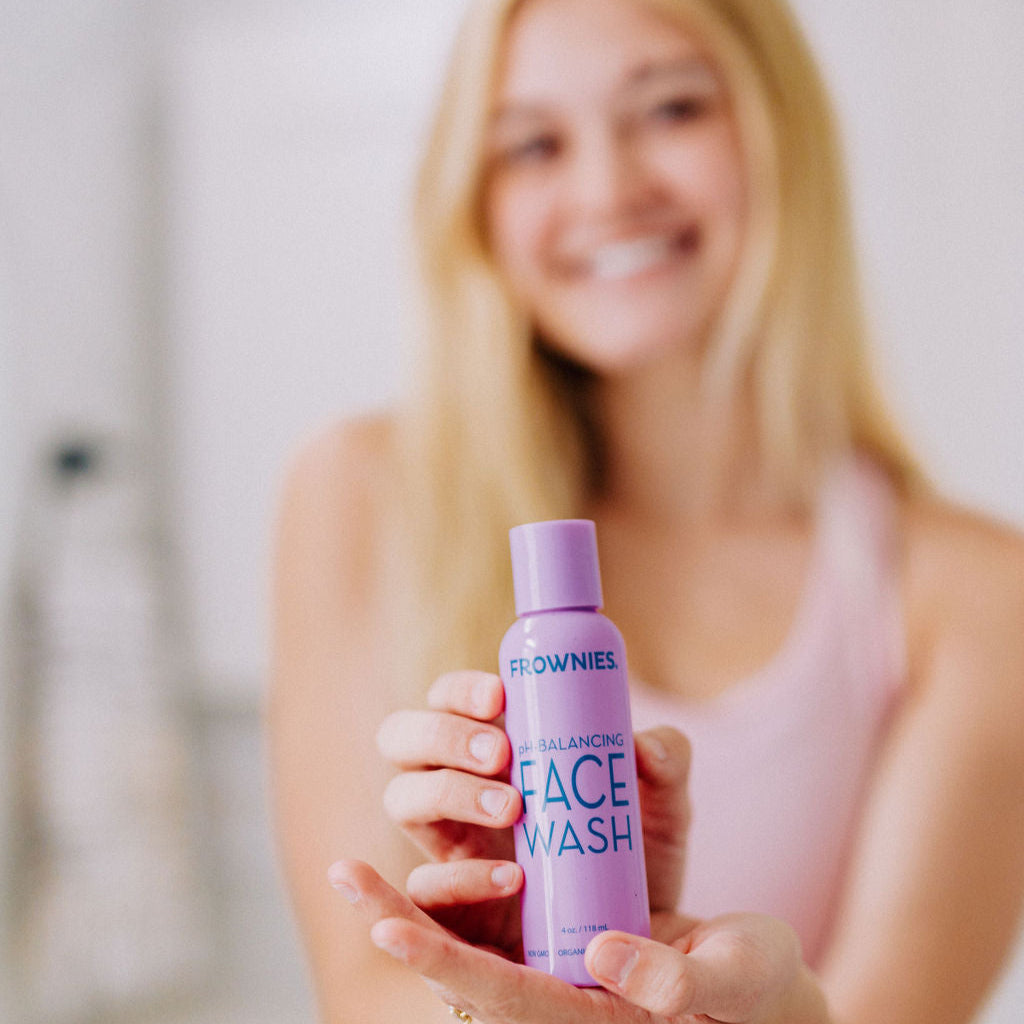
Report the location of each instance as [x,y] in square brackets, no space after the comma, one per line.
[607,176]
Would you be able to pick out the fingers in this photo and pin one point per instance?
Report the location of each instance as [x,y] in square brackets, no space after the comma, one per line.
[663,757]
[470,977]
[454,766]
[422,798]
[457,883]
[458,731]
[487,986]
[663,768]
[658,978]
[478,695]
[429,739]
[365,889]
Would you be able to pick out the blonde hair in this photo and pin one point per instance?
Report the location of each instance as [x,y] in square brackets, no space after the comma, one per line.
[493,436]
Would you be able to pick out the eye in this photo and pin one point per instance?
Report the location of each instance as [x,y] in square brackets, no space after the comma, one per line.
[679,108]
[530,149]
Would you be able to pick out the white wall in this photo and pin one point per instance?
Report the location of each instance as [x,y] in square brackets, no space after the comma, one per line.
[290,146]
[931,95]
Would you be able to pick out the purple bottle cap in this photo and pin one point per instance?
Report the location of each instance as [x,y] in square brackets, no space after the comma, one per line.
[554,565]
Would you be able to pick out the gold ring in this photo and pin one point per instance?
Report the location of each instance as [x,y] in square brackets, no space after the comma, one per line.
[460,1014]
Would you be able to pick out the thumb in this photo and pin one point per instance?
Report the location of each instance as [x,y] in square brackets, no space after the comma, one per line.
[649,974]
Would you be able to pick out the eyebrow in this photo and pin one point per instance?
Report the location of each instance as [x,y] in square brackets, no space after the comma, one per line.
[512,112]
[690,67]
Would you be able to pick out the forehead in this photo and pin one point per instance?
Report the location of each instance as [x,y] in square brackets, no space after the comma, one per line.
[555,48]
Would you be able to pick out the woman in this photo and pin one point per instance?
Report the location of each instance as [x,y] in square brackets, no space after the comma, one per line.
[642,308]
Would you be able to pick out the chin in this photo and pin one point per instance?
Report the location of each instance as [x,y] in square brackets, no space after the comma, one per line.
[621,352]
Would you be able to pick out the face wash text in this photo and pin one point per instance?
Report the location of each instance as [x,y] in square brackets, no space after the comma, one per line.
[558,791]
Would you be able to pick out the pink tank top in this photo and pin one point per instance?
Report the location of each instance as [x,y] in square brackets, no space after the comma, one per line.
[782,759]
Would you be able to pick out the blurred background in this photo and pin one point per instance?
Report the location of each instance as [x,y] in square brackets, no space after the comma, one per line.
[202,252]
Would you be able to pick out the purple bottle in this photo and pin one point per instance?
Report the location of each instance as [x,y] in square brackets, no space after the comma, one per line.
[563,666]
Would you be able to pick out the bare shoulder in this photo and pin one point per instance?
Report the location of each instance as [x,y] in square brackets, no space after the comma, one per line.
[959,559]
[327,596]
[964,586]
[343,464]
[333,506]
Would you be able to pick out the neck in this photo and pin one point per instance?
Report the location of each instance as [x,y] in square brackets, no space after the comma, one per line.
[670,454]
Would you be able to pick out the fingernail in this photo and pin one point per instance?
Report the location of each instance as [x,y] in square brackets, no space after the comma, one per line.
[481,746]
[340,885]
[504,876]
[494,801]
[655,748]
[614,962]
[390,946]
[348,892]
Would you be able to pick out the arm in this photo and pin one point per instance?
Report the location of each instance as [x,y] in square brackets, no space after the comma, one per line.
[938,878]
[330,689]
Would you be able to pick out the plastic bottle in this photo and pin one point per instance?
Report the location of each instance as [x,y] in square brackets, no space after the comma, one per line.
[563,666]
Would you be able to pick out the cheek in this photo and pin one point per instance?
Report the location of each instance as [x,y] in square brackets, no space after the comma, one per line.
[515,228]
[726,188]
[709,174]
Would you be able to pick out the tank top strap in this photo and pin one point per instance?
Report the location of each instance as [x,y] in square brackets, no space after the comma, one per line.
[859,518]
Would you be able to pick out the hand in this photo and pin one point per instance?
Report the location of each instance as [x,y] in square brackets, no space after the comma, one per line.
[452,799]
[741,969]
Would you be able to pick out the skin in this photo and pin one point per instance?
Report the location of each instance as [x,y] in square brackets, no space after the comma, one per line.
[616,194]
[935,885]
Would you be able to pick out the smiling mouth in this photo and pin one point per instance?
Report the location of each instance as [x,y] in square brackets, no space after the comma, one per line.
[618,261]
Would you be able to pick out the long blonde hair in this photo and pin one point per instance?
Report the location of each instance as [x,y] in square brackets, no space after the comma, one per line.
[493,435]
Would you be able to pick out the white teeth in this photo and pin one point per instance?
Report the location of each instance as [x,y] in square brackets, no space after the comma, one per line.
[623,259]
